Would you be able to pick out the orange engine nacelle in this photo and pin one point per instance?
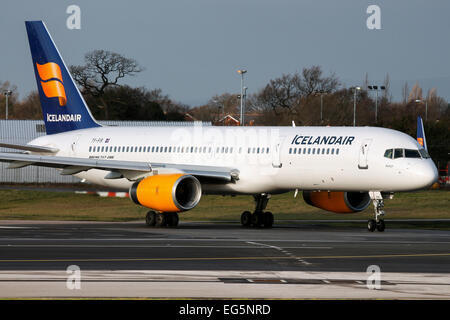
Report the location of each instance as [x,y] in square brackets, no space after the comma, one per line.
[338,201]
[167,192]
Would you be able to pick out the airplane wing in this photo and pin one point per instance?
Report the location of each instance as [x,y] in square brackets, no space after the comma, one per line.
[132,170]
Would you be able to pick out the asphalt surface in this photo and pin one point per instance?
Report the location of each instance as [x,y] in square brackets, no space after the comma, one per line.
[310,246]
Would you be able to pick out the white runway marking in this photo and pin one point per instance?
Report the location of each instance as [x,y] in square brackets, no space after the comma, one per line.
[215,284]
[302,261]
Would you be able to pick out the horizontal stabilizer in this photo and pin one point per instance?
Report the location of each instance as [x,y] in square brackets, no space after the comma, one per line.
[29,147]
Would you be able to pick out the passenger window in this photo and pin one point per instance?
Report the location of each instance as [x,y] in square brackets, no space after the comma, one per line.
[398,153]
[388,153]
[409,153]
[337,151]
[290,150]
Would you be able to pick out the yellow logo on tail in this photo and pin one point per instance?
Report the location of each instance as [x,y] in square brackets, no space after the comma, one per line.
[420,140]
[52,83]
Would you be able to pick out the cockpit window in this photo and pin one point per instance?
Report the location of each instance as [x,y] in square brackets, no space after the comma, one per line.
[424,153]
[410,153]
[398,153]
[388,153]
[406,153]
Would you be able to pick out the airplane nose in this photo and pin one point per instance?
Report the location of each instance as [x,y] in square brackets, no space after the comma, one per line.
[428,174]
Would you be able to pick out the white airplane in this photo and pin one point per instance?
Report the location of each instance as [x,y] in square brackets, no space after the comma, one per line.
[167,169]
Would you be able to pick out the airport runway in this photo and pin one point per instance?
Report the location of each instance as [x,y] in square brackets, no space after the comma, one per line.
[300,260]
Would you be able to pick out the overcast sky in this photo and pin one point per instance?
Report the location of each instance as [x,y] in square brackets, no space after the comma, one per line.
[191,49]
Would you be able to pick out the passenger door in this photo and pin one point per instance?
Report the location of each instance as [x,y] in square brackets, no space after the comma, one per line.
[74,148]
[363,154]
[276,153]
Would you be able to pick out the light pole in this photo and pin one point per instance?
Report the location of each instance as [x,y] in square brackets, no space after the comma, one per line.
[242,72]
[321,93]
[7,93]
[376,99]
[354,104]
[426,107]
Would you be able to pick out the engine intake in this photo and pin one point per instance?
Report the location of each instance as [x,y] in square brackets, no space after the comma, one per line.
[167,192]
[338,201]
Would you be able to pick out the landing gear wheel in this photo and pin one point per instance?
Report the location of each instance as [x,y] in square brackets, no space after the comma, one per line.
[371,225]
[161,220]
[172,219]
[381,226]
[150,218]
[268,219]
[257,219]
[246,219]
[378,205]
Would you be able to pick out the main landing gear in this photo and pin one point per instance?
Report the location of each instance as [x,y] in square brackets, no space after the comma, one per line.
[161,219]
[378,204]
[259,218]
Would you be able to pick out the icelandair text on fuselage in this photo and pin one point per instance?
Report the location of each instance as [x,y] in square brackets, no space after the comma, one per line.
[311,140]
[63,117]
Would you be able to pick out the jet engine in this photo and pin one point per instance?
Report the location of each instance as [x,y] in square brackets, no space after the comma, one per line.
[167,192]
[338,201]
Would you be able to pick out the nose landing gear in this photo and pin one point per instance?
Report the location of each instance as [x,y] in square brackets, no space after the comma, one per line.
[259,218]
[378,204]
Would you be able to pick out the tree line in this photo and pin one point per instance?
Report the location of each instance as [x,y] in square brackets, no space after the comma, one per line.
[309,98]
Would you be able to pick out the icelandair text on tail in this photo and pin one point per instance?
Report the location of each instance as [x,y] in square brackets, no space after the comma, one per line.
[63,117]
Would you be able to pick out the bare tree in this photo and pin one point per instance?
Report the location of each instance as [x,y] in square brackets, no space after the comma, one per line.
[313,81]
[405,92]
[281,92]
[103,69]
[416,93]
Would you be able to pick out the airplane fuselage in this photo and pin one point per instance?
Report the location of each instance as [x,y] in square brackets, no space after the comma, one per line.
[268,159]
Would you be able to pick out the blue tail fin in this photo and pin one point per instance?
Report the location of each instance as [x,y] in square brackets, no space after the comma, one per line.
[421,133]
[63,107]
